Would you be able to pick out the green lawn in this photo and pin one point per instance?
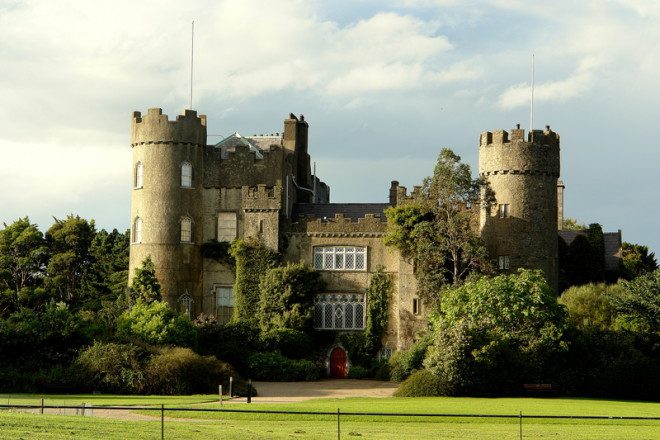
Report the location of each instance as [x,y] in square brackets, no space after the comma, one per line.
[253,426]
[104,399]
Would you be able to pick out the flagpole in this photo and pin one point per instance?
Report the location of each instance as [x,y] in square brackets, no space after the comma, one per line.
[531,105]
[192,54]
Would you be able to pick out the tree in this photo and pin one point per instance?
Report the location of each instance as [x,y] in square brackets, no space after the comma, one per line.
[637,260]
[639,303]
[583,261]
[145,285]
[436,230]
[571,224]
[491,334]
[110,251]
[286,297]
[156,323]
[590,307]
[70,274]
[23,256]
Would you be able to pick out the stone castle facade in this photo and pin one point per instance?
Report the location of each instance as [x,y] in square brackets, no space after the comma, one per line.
[186,193]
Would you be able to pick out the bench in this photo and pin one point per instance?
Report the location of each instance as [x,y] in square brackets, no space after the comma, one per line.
[540,389]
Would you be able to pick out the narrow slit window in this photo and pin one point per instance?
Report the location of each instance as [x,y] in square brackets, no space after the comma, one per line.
[137,230]
[138,175]
[416,307]
[504,210]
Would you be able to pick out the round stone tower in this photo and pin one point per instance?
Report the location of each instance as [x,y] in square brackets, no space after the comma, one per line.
[166,202]
[520,228]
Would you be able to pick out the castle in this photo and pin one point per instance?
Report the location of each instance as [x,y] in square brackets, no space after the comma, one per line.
[186,193]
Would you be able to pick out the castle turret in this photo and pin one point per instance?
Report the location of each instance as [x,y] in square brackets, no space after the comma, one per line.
[166,202]
[520,228]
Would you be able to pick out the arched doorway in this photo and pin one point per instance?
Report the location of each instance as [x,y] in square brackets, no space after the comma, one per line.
[338,363]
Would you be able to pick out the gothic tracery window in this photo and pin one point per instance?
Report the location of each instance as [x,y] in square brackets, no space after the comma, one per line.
[339,311]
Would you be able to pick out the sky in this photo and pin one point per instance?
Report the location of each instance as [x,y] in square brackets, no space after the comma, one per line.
[384,85]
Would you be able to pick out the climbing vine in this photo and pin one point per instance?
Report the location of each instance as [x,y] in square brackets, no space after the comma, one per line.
[378,300]
[253,260]
[218,251]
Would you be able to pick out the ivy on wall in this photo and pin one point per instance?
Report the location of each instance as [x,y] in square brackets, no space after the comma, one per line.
[253,260]
[378,299]
[218,251]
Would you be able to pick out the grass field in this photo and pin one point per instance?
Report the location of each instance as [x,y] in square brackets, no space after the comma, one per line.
[257,426]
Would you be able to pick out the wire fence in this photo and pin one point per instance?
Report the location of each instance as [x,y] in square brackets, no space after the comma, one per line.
[86,409]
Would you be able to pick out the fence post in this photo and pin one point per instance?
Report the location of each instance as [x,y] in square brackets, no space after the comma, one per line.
[162,421]
[249,391]
[231,383]
[42,405]
[520,425]
[338,426]
[220,393]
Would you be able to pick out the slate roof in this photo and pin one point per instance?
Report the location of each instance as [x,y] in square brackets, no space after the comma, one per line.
[612,241]
[353,211]
[256,143]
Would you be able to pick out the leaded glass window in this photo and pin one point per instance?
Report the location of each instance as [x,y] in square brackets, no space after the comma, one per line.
[186,175]
[186,230]
[339,311]
[340,258]
[224,303]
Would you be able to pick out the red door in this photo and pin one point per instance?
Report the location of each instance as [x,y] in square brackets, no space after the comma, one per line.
[338,363]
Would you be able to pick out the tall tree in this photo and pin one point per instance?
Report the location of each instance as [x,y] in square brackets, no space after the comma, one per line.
[70,274]
[145,285]
[23,256]
[437,230]
[637,260]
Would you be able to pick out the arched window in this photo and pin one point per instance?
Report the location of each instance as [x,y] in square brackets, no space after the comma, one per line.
[186,230]
[137,230]
[185,304]
[186,175]
[138,175]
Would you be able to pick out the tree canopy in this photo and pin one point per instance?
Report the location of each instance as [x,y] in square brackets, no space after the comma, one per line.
[436,230]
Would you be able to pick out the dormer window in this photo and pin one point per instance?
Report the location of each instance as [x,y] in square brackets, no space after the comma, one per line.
[137,182]
[186,175]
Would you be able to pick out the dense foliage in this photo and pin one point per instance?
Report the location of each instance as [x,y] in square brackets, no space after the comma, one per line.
[492,334]
[155,323]
[637,260]
[275,367]
[286,297]
[405,362]
[253,260]
[378,295]
[435,230]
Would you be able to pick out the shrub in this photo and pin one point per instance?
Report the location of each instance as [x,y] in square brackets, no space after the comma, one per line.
[275,367]
[156,323]
[293,344]
[356,348]
[113,368]
[357,372]
[404,362]
[287,297]
[421,383]
[589,306]
[178,370]
[236,342]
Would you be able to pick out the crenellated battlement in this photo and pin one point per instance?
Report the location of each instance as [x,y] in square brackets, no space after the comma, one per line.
[501,152]
[155,127]
[262,198]
[502,137]
[341,226]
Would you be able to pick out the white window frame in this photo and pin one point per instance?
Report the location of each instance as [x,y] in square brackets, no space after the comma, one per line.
[339,258]
[230,306]
[138,178]
[227,226]
[189,238]
[503,262]
[186,175]
[137,230]
[330,311]
[504,210]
